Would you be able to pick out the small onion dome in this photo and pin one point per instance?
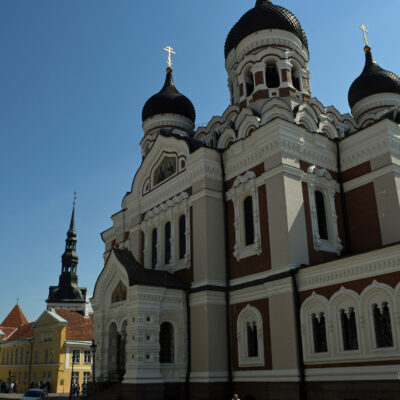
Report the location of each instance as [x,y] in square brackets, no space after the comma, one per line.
[169,101]
[264,15]
[373,80]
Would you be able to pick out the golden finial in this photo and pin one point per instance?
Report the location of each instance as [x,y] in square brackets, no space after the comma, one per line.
[74,202]
[365,31]
[170,51]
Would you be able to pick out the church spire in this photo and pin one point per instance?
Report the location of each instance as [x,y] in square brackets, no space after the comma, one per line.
[70,258]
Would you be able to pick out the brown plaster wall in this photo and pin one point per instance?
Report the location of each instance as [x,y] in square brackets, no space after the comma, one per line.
[365,232]
[259,78]
[260,94]
[356,171]
[263,307]
[253,264]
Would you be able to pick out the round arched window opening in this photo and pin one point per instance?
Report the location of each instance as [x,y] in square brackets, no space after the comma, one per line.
[296,78]
[272,75]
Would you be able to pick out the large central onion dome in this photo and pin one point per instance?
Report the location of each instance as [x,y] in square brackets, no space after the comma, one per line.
[169,101]
[264,15]
[373,80]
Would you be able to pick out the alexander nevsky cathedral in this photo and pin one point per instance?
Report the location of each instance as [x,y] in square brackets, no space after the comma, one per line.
[258,254]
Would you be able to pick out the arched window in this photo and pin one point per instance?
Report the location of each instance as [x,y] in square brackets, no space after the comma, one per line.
[248,220]
[182,236]
[249,81]
[321,215]
[167,249]
[296,78]
[166,343]
[272,75]
[154,248]
[383,327]
[349,329]
[252,340]
[319,333]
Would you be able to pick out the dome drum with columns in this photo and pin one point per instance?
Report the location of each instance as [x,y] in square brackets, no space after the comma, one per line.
[267,56]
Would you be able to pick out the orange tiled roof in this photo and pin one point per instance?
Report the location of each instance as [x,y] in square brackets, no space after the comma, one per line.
[7,331]
[78,327]
[23,332]
[15,318]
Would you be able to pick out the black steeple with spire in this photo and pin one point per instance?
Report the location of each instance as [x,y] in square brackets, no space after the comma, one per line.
[67,291]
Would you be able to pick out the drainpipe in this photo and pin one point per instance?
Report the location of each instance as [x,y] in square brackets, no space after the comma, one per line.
[189,347]
[227,283]
[299,343]
[343,199]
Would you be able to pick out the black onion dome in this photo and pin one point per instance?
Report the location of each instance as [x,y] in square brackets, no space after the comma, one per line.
[373,80]
[169,101]
[264,15]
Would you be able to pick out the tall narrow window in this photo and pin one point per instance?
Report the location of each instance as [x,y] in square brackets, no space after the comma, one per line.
[167,248]
[319,333]
[321,215]
[296,78]
[249,80]
[154,248]
[252,342]
[349,329]
[166,343]
[248,220]
[182,237]
[383,326]
[272,75]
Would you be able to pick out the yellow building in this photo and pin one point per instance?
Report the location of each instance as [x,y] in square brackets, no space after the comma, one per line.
[54,351]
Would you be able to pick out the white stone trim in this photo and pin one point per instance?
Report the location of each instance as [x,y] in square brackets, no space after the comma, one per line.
[245,185]
[320,180]
[277,375]
[169,211]
[250,315]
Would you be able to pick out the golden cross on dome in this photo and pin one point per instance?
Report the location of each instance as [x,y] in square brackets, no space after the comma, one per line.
[170,51]
[365,31]
[74,198]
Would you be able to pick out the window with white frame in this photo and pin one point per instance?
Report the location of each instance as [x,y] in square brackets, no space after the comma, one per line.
[321,196]
[244,196]
[75,378]
[76,355]
[86,377]
[250,337]
[87,357]
[169,220]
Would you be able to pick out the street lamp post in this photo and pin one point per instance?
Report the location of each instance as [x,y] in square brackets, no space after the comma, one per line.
[72,376]
[93,348]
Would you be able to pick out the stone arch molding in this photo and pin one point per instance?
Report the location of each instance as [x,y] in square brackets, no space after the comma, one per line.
[362,303]
[250,314]
[113,273]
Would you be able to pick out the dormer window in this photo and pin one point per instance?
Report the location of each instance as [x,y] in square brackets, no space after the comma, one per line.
[272,75]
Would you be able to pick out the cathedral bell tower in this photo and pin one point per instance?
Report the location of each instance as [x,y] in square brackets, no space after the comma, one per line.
[68,295]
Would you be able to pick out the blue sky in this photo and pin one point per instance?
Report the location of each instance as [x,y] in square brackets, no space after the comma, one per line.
[74,76]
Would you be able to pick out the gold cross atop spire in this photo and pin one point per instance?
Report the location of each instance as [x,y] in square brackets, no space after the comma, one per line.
[365,31]
[74,198]
[170,51]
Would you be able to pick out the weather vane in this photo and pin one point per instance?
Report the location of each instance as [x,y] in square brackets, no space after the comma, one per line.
[74,198]
[170,51]
[365,31]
